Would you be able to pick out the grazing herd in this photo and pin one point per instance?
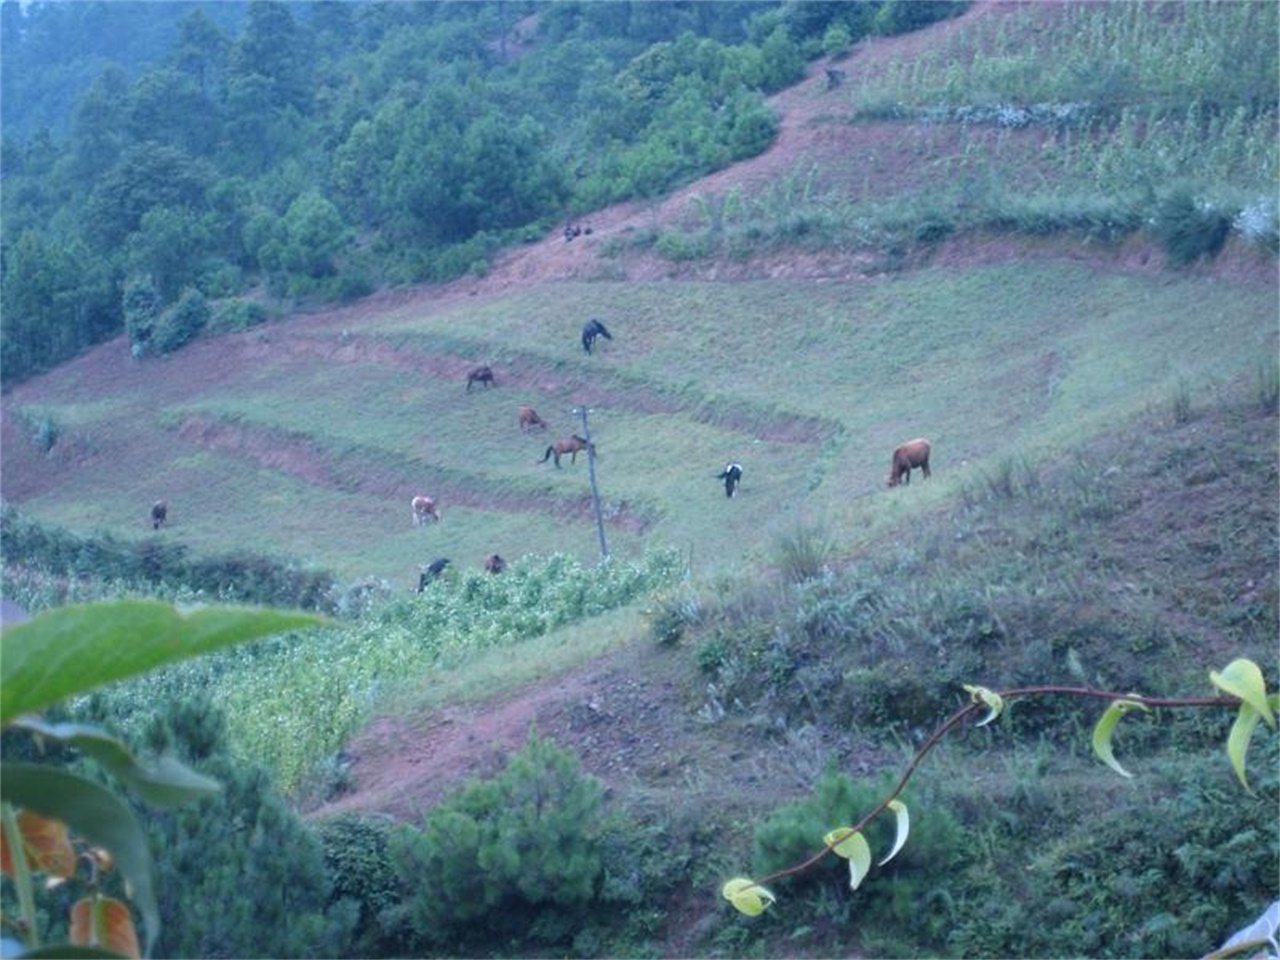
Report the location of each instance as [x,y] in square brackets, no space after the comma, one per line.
[912,455]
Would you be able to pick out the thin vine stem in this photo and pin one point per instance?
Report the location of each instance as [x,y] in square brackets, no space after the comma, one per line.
[957,718]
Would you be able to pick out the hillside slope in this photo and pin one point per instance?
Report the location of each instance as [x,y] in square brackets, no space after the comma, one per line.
[308,438]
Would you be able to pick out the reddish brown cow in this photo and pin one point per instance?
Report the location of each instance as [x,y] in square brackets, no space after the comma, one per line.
[424,509]
[908,456]
[529,419]
[494,563]
[570,446]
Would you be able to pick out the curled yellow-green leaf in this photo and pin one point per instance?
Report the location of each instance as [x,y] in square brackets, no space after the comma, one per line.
[904,827]
[1243,678]
[1238,741]
[747,896]
[1106,726]
[993,700]
[853,846]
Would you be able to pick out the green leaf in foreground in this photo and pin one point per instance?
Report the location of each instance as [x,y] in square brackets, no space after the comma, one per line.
[1238,742]
[163,782]
[746,896]
[1243,678]
[904,827]
[993,700]
[853,846]
[1106,727]
[71,650]
[94,813]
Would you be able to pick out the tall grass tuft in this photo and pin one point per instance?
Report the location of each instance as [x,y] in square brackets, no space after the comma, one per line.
[805,552]
[1181,403]
[1268,386]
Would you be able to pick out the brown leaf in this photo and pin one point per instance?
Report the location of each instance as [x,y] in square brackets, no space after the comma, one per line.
[104,922]
[46,844]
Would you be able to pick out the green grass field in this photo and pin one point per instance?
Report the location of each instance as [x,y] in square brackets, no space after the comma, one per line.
[308,442]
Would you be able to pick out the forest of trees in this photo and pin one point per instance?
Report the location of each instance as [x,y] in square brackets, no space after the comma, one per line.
[172,167]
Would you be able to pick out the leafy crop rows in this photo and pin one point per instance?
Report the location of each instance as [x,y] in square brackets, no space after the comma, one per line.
[293,701]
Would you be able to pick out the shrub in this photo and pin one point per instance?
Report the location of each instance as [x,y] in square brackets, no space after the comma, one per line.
[517,854]
[356,857]
[181,323]
[241,850]
[141,305]
[1187,228]
[232,316]
[891,895]
[684,246]
[43,430]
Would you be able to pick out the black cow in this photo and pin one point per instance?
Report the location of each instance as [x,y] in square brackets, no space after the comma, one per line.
[731,476]
[594,328]
[432,572]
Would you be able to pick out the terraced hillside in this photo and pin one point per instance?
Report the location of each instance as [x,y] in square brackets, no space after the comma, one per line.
[308,438]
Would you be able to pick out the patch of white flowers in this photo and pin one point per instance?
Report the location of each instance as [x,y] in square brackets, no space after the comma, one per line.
[1259,223]
[1011,116]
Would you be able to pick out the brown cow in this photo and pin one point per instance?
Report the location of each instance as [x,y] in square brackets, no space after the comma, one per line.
[529,419]
[159,514]
[424,509]
[570,446]
[494,563]
[908,456]
[482,374]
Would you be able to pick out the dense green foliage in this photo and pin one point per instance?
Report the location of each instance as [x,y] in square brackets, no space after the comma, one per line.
[320,150]
[356,855]
[238,874]
[292,702]
[516,855]
[152,564]
[1040,575]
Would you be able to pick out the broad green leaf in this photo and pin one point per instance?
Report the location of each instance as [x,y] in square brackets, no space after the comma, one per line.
[841,841]
[1238,741]
[1242,678]
[904,827]
[1106,727]
[164,782]
[94,813]
[853,847]
[73,649]
[993,700]
[747,896]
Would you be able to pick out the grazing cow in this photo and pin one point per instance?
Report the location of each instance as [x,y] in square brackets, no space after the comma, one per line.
[570,446]
[424,509]
[432,571]
[908,456]
[731,476]
[529,419]
[482,374]
[159,514]
[494,563]
[593,328]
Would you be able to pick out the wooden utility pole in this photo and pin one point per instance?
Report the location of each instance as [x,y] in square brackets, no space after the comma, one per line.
[595,490]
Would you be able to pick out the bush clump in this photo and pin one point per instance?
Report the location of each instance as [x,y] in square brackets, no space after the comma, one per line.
[517,854]
[1188,228]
